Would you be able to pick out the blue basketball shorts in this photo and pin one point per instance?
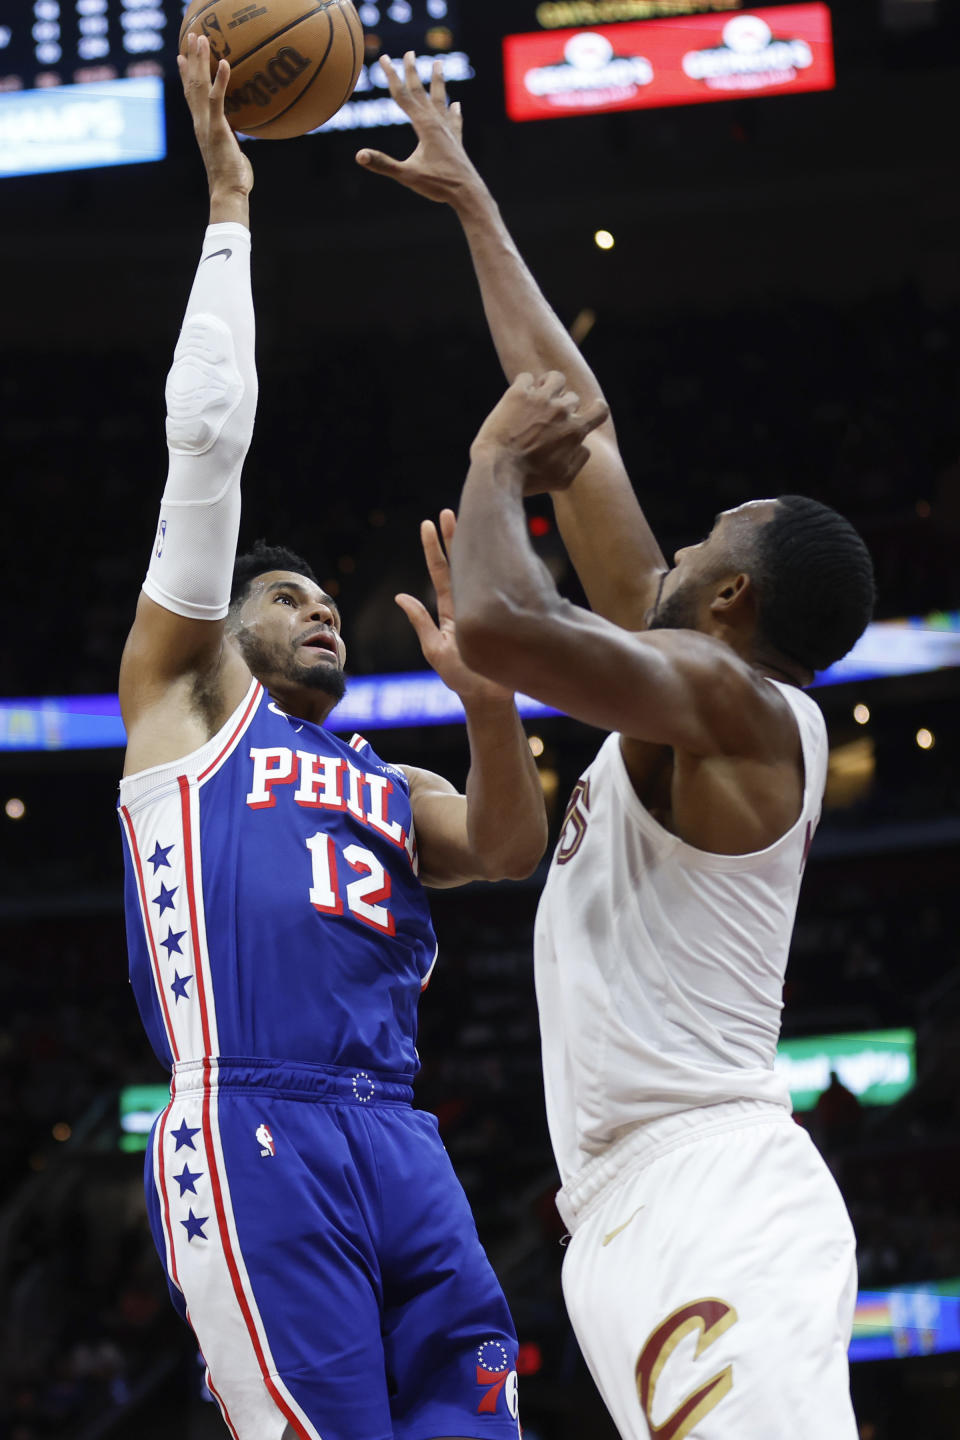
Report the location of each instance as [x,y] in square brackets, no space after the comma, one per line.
[317,1241]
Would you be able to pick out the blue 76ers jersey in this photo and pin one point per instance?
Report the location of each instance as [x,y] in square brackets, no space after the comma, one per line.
[272,900]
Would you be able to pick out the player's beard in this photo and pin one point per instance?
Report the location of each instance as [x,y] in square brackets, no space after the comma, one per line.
[264,663]
[330,679]
[677,612]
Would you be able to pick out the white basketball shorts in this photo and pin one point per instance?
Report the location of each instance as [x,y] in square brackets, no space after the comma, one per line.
[711,1279]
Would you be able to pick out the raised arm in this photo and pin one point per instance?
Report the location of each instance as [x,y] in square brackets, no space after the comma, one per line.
[609,541]
[178,679]
[498,830]
[674,688]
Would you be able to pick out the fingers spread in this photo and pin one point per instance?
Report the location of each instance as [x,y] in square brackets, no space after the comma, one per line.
[195,71]
[379,163]
[448,527]
[418,615]
[221,81]
[432,549]
[393,80]
[411,76]
[438,89]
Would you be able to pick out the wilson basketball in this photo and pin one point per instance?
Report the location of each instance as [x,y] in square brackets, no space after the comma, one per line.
[293,63]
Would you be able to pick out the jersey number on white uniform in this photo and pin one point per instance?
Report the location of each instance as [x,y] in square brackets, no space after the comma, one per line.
[363,896]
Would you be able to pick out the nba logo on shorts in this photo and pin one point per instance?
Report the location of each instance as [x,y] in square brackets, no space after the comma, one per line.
[265,1141]
[161,538]
[494,1374]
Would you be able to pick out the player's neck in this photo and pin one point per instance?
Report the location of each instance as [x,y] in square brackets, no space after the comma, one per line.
[769,662]
[302,703]
[783,670]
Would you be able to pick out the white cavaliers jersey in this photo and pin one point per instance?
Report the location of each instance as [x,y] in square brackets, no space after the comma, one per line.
[660,967]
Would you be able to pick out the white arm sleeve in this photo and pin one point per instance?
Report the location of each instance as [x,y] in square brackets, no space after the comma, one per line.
[211,402]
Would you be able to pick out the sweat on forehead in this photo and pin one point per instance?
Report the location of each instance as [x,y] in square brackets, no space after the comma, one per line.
[299,586]
[757,512]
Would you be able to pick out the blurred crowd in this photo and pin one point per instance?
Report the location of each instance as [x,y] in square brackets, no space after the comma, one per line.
[853,403]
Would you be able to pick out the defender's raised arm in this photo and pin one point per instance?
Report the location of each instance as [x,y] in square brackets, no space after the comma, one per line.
[610,543]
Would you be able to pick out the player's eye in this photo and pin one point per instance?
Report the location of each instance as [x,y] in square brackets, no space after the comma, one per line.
[288,598]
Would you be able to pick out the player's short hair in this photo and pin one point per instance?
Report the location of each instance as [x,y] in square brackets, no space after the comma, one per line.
[815,582]
[259,561]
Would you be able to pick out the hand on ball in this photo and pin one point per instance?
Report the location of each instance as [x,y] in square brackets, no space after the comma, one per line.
[228,169]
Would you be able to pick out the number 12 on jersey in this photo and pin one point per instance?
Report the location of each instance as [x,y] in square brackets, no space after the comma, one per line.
[363,895]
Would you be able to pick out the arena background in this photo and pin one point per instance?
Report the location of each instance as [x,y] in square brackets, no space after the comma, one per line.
[779,312]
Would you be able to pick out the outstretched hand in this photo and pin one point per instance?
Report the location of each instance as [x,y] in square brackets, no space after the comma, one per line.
[539,426]
[438,638]
[229,172]
[439,168]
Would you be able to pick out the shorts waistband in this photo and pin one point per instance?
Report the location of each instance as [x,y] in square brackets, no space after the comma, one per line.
[639,1148]
[333,1084]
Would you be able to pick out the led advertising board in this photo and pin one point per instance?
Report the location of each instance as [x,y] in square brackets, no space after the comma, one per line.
[689,60]
[139,1107]
[878,1066]
[907,1320]
[388,702]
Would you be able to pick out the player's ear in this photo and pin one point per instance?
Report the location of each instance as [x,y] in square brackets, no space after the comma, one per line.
[733,595]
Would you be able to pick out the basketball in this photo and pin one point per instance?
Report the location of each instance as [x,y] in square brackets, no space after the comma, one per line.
[293,63]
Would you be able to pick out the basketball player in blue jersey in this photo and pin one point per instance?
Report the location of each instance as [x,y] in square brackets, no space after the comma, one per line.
[311,1226]
[711,1276]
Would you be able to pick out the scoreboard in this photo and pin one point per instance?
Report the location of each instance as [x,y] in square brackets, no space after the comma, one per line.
[82,81]
[46,43]
[431,28]
[81,84]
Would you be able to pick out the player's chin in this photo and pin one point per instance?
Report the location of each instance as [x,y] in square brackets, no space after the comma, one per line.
[326,676]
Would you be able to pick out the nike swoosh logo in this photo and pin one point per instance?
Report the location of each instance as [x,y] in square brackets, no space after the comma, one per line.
[225,253]
[614,1233]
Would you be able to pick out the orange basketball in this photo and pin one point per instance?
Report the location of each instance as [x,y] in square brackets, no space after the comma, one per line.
[293,63]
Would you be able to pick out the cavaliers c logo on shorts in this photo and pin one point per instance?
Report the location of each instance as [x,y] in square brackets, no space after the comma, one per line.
[711,1318]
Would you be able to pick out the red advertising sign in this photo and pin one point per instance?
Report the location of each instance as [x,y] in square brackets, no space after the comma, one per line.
[684,61]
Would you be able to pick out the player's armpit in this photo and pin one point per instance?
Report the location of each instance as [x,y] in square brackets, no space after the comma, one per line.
[163,647]
[179,682]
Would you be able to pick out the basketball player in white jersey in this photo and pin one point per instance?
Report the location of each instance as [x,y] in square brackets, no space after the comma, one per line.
[711,1274]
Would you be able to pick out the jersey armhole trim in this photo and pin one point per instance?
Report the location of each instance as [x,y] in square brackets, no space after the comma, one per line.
[688,855]
[201,764]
